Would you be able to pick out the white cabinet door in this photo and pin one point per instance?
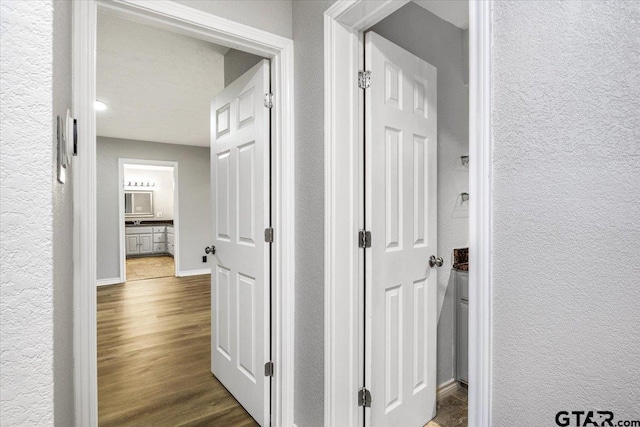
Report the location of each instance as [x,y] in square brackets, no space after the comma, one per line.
[133,246]
[146,243]
[400,192]
[462,349]
[240,324]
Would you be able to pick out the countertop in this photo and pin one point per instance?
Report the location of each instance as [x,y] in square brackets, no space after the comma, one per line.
[148,223]
[461,266]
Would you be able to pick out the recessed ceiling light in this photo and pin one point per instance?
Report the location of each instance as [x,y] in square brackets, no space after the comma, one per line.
[99,106]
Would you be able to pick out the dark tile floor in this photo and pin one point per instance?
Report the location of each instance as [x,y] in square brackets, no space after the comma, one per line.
[451,411]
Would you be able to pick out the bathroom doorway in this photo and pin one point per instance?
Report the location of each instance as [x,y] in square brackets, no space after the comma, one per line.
[148,219]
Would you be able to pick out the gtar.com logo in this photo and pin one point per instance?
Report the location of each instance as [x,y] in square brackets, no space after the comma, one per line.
[591,418]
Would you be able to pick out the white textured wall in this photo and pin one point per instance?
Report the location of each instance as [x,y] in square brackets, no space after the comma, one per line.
[441,44]
[62,228]
[26,274]
[308,33]
[566,284]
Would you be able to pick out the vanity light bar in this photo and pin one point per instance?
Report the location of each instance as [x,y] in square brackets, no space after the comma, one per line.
[140,184]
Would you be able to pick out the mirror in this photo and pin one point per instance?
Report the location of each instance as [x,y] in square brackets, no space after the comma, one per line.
[138,203]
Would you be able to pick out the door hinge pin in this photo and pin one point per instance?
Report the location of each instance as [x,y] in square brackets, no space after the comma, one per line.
[364,239]
[364,398]
[268,235]
[268,100]
[364,79]
[268,369]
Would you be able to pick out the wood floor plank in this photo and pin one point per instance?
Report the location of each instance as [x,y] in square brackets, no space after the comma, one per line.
[154,357]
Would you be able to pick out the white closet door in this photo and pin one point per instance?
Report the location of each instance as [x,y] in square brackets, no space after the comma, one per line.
[401,193]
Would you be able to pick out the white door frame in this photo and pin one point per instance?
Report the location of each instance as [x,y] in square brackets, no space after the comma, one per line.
[176,212]
[184,20]
[343,23]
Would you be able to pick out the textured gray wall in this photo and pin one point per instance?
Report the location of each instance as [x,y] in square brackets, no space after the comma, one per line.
[566,279]
[273,16]
[236,63]
[26,215]
[308,33]
[441,45]
[62,228]
[194,199]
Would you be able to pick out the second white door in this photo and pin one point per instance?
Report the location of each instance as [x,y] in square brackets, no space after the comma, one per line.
[400,200]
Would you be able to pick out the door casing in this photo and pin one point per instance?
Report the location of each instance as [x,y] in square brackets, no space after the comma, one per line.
[194,23]
[344,23]
[176,212]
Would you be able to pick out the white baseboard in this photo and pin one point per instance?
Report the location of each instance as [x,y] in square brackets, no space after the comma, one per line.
[194,272]
[111,281]
[447,388]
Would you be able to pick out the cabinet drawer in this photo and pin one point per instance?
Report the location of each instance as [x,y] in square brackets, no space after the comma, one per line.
[160,229]
[159,247]
[463,286]
[158,238]
[137,230]
[170,238]
[169,229]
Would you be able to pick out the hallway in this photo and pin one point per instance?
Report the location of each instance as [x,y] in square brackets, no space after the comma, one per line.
[154,356]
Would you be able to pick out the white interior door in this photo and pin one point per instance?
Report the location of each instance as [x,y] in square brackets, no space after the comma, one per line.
[240,285]
[400,193]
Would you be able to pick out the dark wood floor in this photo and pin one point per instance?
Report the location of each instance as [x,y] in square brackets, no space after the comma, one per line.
[154,357]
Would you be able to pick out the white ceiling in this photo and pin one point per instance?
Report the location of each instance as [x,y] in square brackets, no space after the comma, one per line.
[157,85]
[454,11]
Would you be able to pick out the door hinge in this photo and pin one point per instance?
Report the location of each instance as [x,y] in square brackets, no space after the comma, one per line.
[268,100]
[364,79]
[364,239]
[268,235]
[268,369]
[364,398]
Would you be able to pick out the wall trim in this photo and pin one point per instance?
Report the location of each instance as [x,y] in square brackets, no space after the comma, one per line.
[110,281]
[447,389]
[344,302]
[175,17]
[186,273]
[480,212]
[343,352]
